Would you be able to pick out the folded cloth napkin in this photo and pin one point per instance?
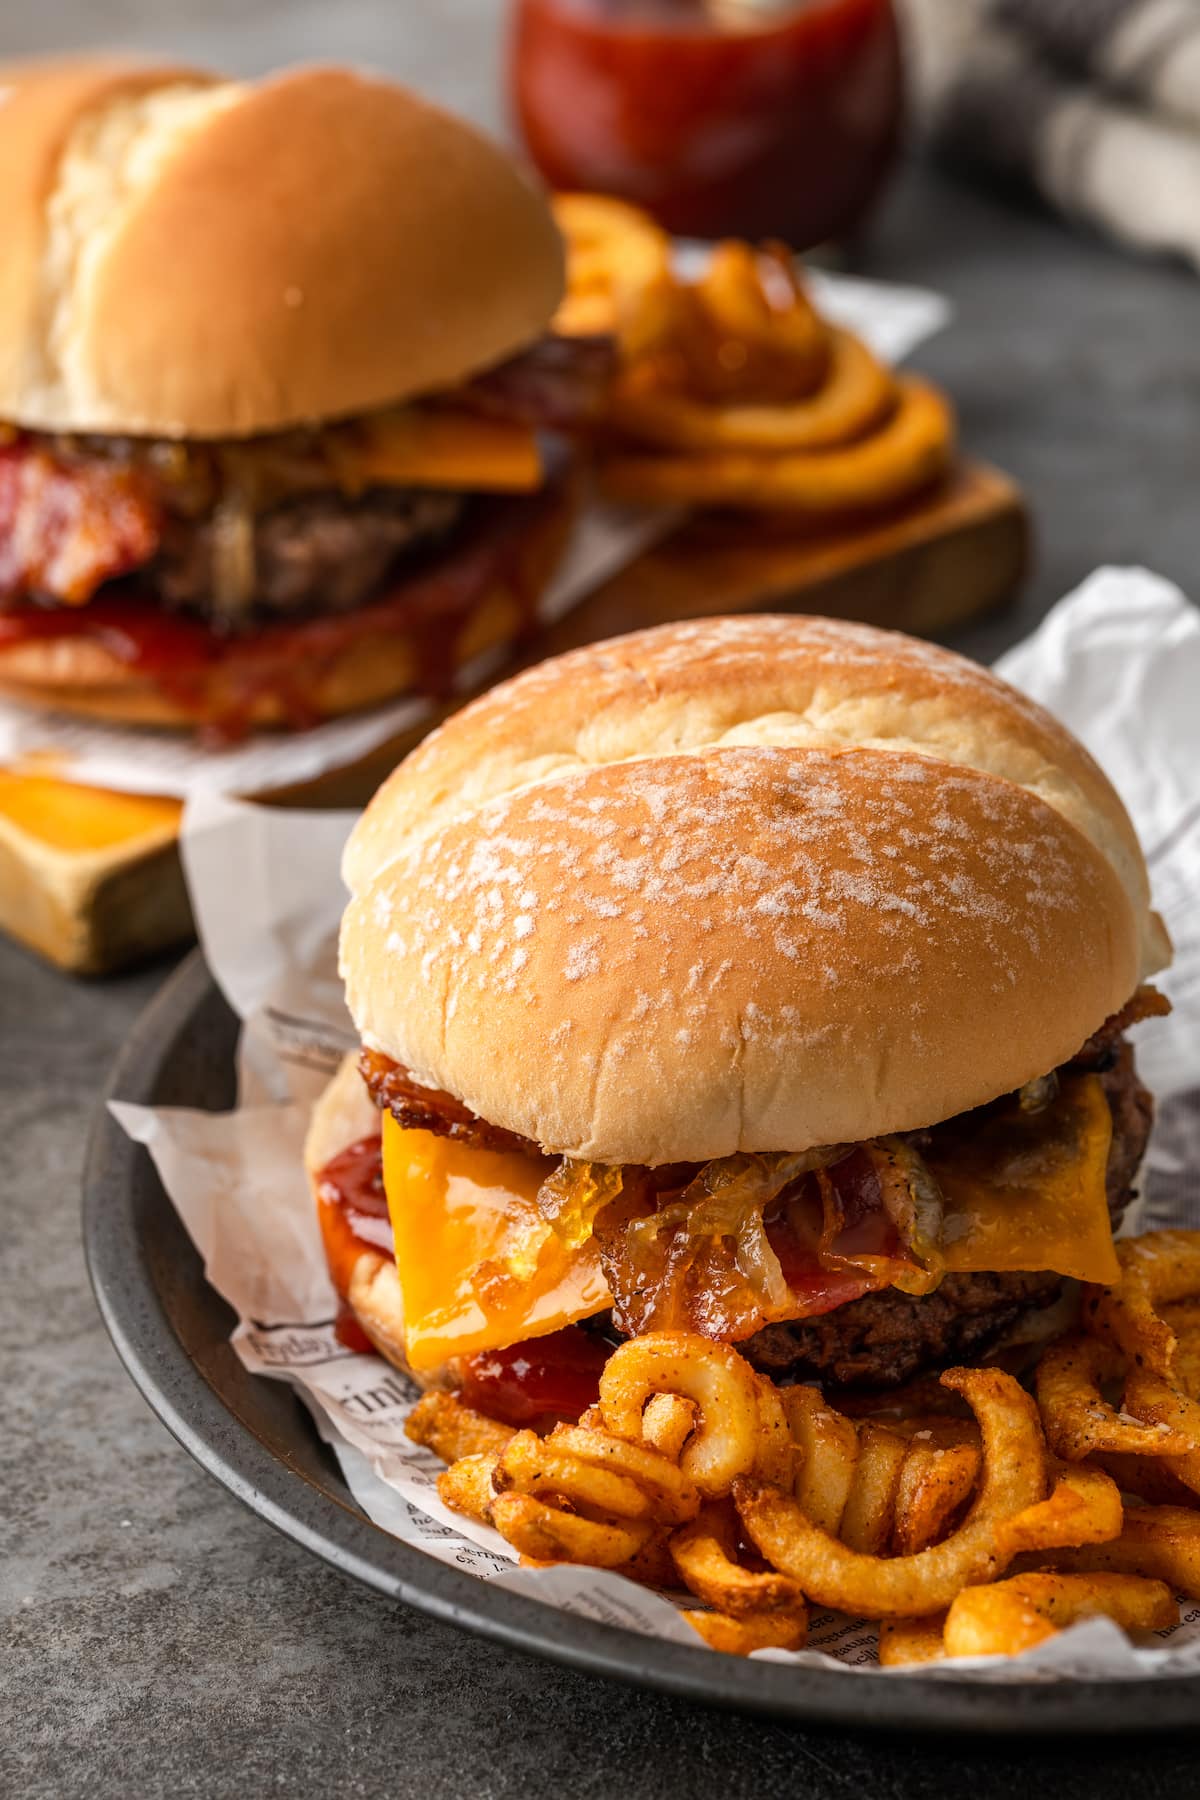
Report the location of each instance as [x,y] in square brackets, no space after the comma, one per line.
[1096,103]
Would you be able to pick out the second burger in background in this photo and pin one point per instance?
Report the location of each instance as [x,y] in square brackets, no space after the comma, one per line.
[272,368]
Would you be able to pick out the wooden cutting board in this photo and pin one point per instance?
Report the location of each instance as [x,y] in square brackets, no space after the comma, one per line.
[92,880]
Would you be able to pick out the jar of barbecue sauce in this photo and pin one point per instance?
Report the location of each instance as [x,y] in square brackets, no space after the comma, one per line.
[747,118]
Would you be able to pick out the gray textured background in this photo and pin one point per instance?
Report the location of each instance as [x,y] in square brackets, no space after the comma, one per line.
[161,1639]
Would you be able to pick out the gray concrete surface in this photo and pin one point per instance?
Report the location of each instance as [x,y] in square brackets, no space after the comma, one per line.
[159,1639]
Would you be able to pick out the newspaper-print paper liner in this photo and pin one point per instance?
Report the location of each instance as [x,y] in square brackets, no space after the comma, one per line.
[1119,660]
[893,319]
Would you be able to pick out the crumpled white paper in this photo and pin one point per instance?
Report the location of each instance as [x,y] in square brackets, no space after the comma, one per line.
[1119,660]
[893,319]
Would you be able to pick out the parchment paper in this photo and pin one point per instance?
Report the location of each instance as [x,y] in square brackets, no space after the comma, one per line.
[1119,660]
[893,319]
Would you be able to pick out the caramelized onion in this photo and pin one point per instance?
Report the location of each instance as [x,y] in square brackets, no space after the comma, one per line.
[572,1196]
[704,1260]
[1036,1095]
[915,1204]
[233,560]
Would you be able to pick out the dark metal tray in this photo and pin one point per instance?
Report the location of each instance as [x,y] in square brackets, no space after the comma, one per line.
[171,1331]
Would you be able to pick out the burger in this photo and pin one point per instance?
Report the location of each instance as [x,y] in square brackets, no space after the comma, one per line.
[275,388]
[763,978]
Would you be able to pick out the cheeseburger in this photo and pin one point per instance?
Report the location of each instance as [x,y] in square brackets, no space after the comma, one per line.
[273,364]
[764,978]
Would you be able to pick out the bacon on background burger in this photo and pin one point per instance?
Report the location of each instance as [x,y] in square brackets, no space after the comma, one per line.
[273,372]
[766,979]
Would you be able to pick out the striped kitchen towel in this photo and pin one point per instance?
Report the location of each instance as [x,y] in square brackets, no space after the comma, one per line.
[1095,103]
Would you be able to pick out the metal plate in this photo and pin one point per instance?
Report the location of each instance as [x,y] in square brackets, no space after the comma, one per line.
[171,1331]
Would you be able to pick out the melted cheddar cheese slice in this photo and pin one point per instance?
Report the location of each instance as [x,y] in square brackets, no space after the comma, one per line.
[478,1267]
[422,448]
[1027,1191]
[69,817]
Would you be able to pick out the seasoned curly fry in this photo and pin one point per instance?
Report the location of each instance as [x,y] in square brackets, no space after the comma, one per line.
[705,1553]
[906,1642]
[1014,1477]
[1176,1418]
[856,395]
[668,1422]
[740,1423]
[547,1534]
[613,251]
[1156,1269]
[1147,1478]
[1159,1541]
[754,297]
[534,1465]
[444,1425]
[1077,1419]
[909,452]
[1184,1320]
[742,1636]
[1015,1615]
[1083,1507]
[936,1480]
[744,331]
[652,1565]
[908,1516]
[826,1455]
[466,1486]
[867,1520]
[671,1496]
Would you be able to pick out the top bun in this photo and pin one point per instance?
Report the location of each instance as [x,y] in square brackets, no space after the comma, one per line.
[191,257]
[739,885]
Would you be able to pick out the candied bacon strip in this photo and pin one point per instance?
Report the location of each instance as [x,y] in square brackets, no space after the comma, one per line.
[66,528]
[418,1108]
[557,382]
[1098,1052]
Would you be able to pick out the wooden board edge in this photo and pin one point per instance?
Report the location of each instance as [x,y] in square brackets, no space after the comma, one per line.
[91,912]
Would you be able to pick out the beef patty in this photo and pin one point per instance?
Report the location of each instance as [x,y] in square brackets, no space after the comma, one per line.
[887,1337]
[323,552]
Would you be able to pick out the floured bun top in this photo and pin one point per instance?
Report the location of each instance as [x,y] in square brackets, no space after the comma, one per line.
[191,257]
[743,884]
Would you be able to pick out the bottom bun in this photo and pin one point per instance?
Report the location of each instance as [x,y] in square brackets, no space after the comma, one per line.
[344,1114]
[291,676]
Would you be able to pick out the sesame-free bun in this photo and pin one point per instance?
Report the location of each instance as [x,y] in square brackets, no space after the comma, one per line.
[192,257]
[739,885]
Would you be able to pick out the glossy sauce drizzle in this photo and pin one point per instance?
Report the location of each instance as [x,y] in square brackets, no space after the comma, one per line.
[220,677]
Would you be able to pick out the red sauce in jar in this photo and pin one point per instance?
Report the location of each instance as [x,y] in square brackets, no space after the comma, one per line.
[722,120]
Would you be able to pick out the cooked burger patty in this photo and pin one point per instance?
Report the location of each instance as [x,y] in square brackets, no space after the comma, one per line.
[323,552]
[887,1337]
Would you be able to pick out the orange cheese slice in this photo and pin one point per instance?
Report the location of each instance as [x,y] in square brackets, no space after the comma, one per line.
[417,447]
[478,1266]
[69,817]
[480,1269]
[1027,1191]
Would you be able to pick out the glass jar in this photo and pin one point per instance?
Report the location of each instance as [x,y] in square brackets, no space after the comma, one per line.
[750,118]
